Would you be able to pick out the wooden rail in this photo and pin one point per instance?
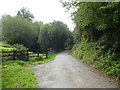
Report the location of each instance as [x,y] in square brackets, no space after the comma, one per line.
[19,55]
[22,55]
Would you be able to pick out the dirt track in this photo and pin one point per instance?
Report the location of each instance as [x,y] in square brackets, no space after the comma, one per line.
[67,72]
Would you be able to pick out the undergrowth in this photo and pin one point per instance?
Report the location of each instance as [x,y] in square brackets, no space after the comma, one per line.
[16,74]
[94,53]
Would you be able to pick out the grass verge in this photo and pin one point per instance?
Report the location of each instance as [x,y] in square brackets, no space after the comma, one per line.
[15,74]
[0,76]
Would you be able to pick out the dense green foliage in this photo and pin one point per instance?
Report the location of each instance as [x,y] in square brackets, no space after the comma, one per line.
[18,30]
[22,34]
[92,53]
[97,34]
[35,35]
[59,35]
[54,35]
[44,38]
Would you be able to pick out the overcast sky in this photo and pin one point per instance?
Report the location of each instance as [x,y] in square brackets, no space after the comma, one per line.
[43,10]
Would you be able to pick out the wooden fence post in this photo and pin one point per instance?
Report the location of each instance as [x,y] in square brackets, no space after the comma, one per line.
[27,55]
[13,55]
[38,55]
[46,53]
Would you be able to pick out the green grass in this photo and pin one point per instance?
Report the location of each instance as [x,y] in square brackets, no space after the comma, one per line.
[44,60]
[31,62]
[0,76]
[16,74]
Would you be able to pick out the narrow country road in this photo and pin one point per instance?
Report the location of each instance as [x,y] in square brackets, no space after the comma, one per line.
[67,72]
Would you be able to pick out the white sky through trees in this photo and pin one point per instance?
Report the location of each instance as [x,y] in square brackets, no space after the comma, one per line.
[43,10]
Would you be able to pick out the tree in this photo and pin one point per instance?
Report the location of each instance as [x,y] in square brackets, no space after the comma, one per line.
[18,30]
[69,41]
[100,14]
[36,46]
[0,29]
[54,35]
[59,35]
[97,33]
[44,38]
[25,13]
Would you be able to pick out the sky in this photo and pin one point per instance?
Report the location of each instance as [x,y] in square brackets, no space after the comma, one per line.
[43,10]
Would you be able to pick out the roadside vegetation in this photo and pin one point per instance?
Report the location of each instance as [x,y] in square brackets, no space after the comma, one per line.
[27,43]
[95,40]
[16,74]
[97,34]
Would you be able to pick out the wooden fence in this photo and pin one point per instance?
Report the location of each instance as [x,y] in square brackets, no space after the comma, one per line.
[19,55]
[22,55]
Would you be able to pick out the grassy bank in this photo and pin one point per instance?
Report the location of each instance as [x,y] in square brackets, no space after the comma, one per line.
[93,53]
[0,76]
[16,74]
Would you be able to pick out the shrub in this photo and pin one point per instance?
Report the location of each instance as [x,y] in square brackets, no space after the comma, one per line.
[19,47]
[20,51]
[94,53]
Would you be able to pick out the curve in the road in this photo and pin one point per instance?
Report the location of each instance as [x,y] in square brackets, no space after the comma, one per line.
[67,72]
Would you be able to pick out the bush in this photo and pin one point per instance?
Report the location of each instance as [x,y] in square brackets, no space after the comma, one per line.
[18,30]
[20,51]
[94,53]
[19,47]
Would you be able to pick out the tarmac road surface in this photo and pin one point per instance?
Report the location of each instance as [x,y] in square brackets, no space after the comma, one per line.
[67,72]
